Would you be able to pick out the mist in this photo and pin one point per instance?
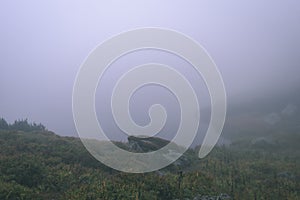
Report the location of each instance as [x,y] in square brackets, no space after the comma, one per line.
[255,44]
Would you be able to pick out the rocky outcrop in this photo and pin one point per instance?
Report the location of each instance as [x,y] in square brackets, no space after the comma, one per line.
[143,145]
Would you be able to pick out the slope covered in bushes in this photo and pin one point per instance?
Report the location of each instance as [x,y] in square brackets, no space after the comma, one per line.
[42,165]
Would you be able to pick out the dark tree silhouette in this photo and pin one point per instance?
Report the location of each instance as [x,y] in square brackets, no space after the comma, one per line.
[21,125]
[3,124]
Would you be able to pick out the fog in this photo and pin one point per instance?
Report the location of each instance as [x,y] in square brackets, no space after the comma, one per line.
[255,44]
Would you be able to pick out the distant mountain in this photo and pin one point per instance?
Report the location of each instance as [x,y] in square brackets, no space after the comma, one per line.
[276,116]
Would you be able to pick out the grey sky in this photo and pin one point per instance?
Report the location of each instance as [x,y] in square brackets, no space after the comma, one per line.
[255,44]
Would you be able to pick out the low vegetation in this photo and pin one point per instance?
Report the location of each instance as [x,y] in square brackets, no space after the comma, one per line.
[38,164]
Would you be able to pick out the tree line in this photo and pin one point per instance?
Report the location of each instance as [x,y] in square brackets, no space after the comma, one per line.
[22,125]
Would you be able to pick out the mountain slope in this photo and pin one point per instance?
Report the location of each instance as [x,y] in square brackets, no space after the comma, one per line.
[42,165]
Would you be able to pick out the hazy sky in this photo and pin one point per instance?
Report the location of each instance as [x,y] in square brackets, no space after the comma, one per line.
[255,44]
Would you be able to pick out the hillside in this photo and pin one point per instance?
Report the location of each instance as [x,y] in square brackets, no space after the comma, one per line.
[42,165]
[267,117]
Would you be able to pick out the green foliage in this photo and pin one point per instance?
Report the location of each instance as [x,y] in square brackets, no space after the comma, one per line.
[21,125]
[23,170]
[14,191]
[42,165]
[3,124]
